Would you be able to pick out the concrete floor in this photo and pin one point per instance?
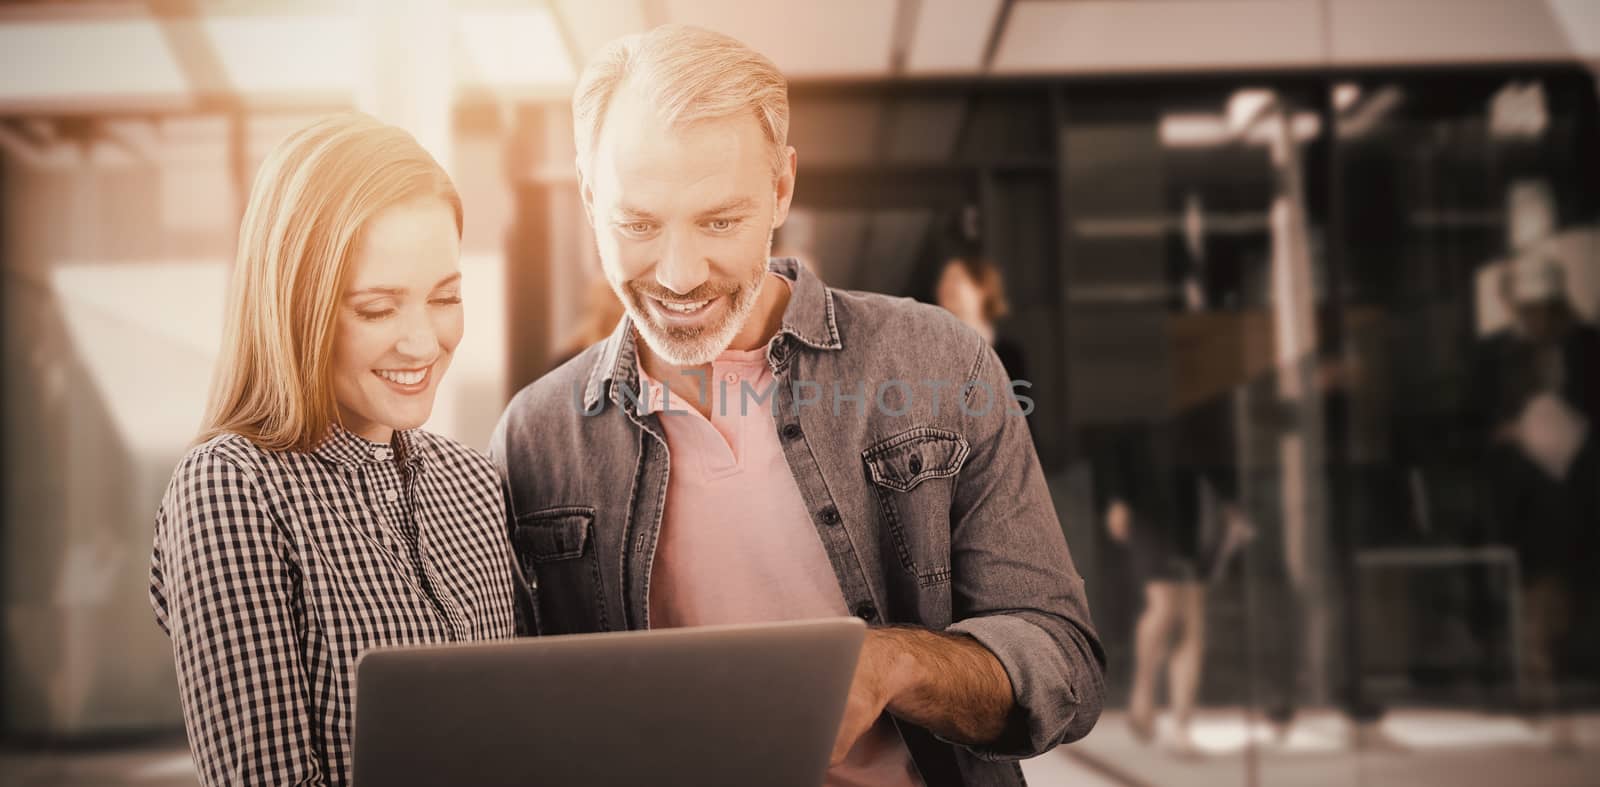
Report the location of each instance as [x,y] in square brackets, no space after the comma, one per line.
[1409,747]
[1415,747]
[167,764]
[158,764]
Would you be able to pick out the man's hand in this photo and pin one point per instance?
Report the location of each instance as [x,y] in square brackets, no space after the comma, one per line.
[1118,521]
[946,683]
[870,692]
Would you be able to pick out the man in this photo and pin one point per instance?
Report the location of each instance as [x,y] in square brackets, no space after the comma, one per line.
[775,449]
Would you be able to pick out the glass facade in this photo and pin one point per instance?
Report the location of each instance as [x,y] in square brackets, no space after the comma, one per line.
[1314,359]
[1321,348]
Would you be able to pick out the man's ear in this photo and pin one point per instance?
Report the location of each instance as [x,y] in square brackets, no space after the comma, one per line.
[784,187]
[585,194]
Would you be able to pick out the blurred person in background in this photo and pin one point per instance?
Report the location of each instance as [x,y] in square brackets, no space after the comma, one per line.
[679,508]
[1165,507]
[1536,394]
[973,289]
[1171,492]
[314,519]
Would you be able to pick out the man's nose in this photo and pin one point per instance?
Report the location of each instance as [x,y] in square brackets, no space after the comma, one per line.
[682,267]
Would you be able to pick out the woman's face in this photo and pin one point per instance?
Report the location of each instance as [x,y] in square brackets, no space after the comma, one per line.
[961,295]
[399,319]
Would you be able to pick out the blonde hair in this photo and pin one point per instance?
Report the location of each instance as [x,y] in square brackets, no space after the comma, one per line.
[690,74]
[313,196]
[986,276]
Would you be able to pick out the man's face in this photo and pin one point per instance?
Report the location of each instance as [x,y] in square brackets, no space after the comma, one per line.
[683,219]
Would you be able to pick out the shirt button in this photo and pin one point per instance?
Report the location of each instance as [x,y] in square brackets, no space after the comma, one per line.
[866,611]
[916,464]
[391,495]
[731,377]
[380,454]
[830,516]
[791,432]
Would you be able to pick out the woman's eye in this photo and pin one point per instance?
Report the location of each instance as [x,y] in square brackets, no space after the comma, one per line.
[373,314]
[447,300]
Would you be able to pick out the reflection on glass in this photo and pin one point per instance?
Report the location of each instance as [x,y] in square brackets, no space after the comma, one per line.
[1333,369]
[1467,386]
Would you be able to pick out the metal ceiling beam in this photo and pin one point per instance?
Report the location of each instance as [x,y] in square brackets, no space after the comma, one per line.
[564,32]
[997,31]
[20,145]
[906,13]
[198,59]
[196,53]
[38,131]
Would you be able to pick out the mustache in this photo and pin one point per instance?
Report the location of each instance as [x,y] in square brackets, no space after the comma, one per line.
[705,292]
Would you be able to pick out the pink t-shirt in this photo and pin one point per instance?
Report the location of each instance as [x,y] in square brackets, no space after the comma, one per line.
[737,545]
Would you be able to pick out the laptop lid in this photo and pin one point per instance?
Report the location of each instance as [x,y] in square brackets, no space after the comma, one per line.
[737,705]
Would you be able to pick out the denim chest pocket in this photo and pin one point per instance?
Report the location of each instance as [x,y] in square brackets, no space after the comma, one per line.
[913,477]
[556,549]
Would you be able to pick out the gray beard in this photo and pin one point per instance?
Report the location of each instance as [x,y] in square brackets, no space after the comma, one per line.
[696,347]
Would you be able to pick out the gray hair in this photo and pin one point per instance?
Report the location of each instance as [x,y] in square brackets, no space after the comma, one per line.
[689,74]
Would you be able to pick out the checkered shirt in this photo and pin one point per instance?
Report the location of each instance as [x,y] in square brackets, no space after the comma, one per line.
[272,571]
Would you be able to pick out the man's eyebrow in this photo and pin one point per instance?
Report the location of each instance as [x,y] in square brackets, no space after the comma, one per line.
[731,206]
[631,213]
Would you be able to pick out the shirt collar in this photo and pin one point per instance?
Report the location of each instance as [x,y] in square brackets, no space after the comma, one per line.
[808,318]
[344,447]
[652,394]
[809,315]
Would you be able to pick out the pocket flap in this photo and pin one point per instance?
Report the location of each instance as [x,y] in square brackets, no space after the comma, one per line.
[554,533]
[913,456]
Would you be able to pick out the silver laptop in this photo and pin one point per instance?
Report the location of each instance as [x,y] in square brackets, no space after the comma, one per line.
[718,705]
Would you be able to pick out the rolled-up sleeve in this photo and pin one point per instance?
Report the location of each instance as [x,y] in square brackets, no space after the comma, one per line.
[1014,586]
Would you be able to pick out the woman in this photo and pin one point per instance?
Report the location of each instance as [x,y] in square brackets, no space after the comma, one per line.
[1173,568]
[314,520]
[1172,500]
[973,289]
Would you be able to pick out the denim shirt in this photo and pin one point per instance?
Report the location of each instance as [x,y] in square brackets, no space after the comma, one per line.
[916,466]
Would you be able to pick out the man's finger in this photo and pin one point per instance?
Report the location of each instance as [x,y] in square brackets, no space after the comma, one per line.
[850,730]
[841,747]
